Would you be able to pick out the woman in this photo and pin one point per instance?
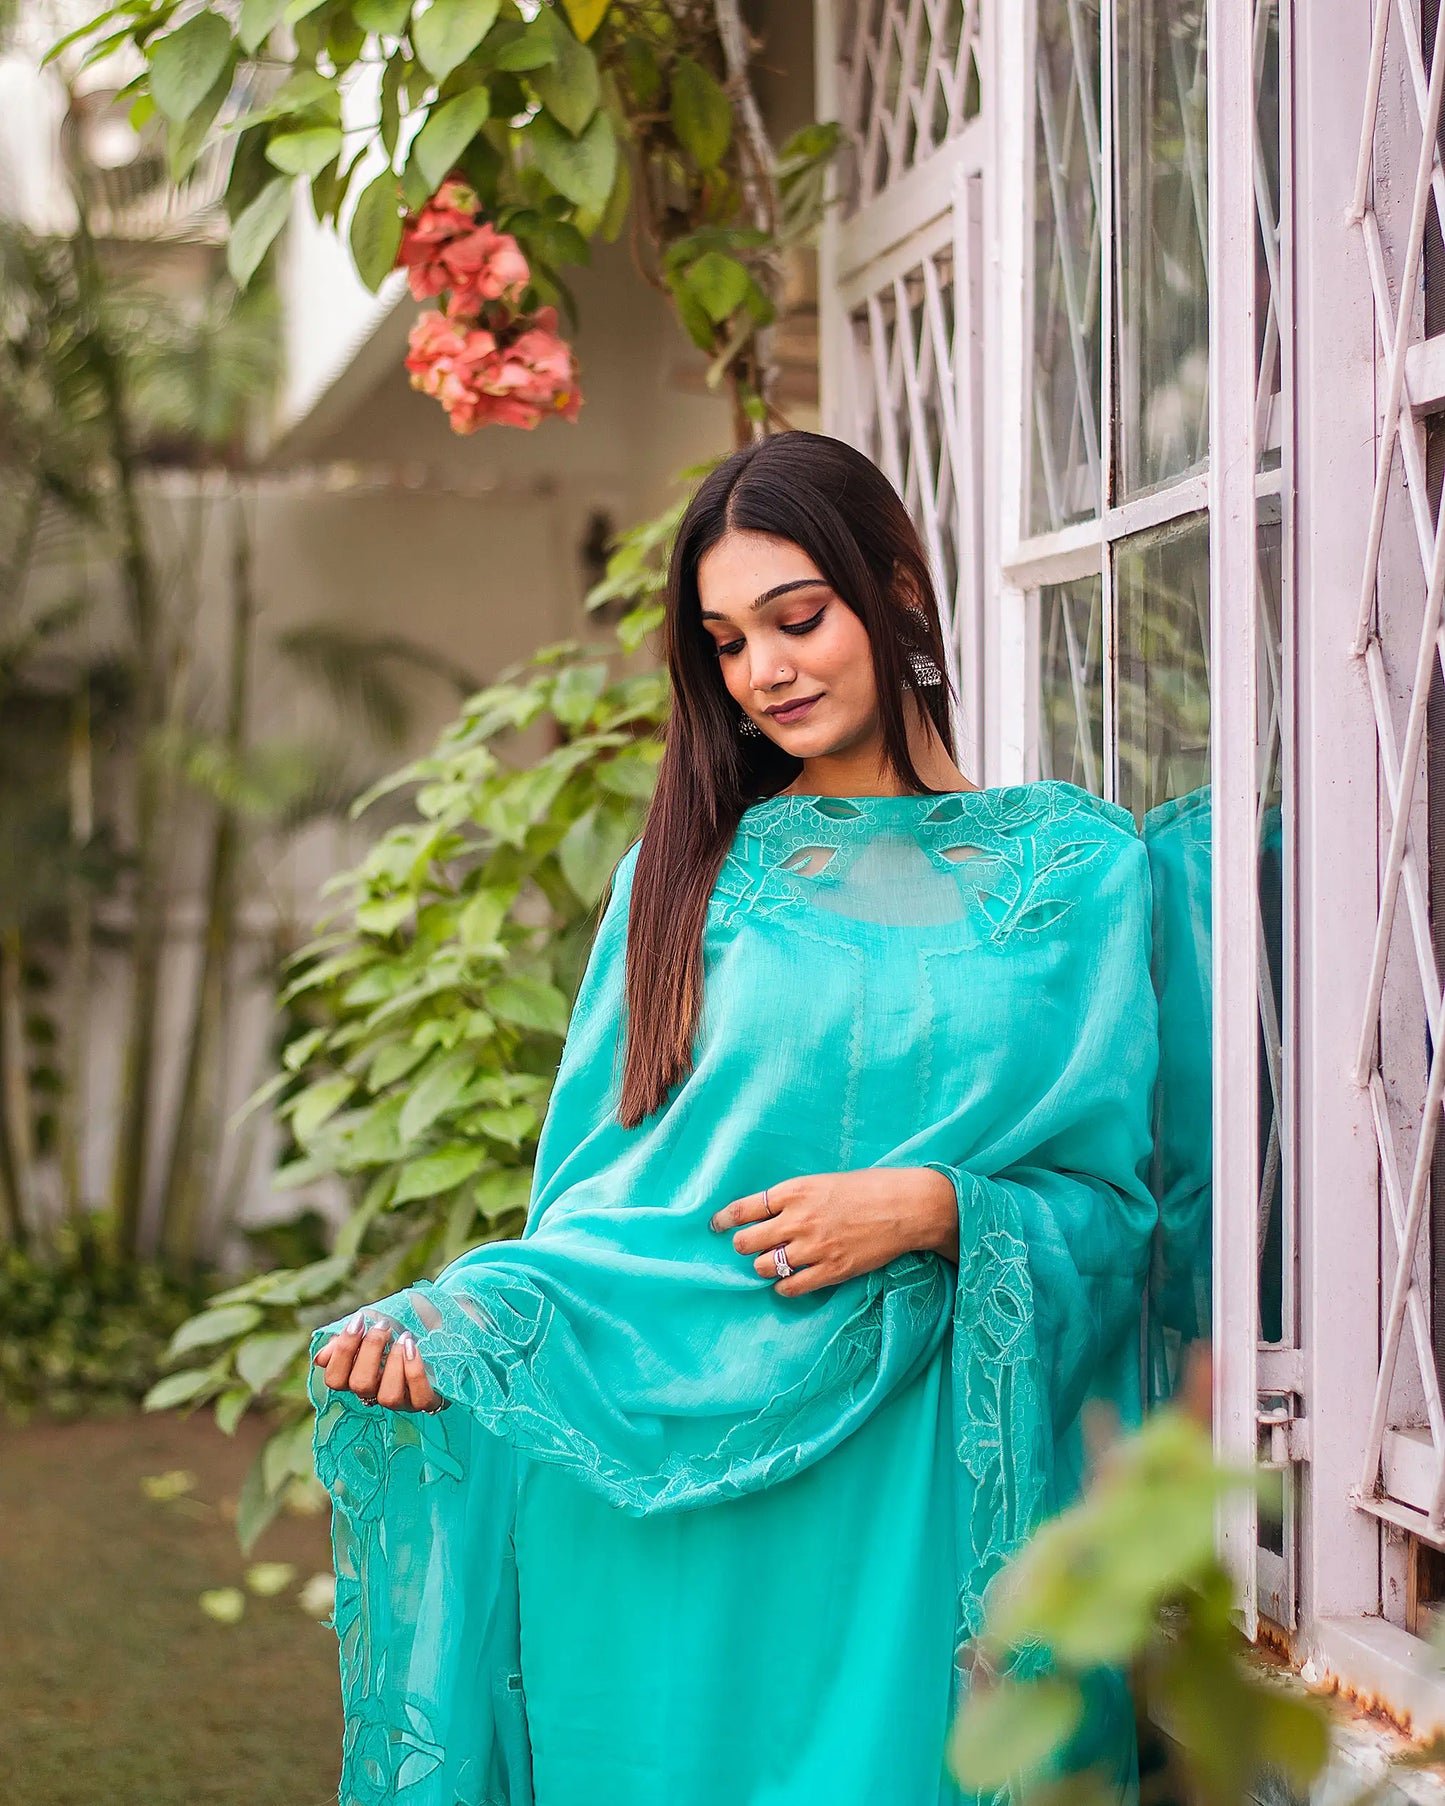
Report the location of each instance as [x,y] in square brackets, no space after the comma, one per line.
[837,1221]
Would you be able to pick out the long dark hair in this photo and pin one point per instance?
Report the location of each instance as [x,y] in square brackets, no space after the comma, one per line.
[832,503]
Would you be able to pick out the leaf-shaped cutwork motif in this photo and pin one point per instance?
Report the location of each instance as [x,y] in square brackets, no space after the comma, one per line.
[958,855]
[996,908]
[948,810]
[415,1766]
[1073,855]
[807,862]
[1039,916]
[837,807]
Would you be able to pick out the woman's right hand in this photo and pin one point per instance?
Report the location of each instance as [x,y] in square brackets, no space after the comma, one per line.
[357,1359]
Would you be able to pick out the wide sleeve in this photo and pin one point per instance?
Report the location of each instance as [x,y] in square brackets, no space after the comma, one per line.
[1055,1220]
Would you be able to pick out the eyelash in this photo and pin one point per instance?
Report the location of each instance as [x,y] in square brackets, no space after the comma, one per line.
[796,627]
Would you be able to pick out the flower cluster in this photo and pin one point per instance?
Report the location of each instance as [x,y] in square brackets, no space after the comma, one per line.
[487,362]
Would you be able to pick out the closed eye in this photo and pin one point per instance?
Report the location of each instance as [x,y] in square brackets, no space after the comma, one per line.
[795,627]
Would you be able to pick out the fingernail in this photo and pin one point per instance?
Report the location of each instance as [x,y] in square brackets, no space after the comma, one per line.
[408,1344]
[353,1324]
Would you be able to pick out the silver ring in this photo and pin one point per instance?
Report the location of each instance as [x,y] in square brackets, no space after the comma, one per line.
[780,1261]
[368,1401]
[766,1206]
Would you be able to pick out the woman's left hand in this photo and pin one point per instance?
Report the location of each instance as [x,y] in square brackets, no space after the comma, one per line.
[834,1226]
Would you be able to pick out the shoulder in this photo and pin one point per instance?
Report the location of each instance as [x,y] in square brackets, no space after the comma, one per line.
[1085,856]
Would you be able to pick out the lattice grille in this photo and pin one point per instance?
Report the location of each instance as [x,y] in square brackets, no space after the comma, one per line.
[1066,479]
[1398,642]
[908,82]
[904,396]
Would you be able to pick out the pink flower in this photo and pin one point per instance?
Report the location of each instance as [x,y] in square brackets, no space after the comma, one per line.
[445,247]
[483,379]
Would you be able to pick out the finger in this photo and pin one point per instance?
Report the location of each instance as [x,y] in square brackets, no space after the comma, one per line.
[807,1279]
[757,1238]
[419,1388]
[366,1368]
[348,1337]
[749,1209]
[391,1388]
[795,1253]
[342,1352]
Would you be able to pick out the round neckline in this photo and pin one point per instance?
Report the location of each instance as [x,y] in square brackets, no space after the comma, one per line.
[908,797]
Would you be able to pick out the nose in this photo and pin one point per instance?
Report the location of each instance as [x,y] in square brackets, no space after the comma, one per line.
[770,669]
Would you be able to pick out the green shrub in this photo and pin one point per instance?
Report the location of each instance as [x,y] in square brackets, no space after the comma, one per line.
[431,1011]
[82,1333]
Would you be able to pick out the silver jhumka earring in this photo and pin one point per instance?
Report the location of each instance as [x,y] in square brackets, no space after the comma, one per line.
[746,725]
[925,670]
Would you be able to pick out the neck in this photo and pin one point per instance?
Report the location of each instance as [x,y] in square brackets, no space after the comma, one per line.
[862,770]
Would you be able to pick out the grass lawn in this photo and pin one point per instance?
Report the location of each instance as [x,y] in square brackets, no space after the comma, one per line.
[115,1688]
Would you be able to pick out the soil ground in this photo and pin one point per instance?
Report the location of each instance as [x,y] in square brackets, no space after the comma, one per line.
[116,1689]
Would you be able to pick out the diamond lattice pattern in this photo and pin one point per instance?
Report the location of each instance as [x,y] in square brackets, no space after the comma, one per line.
[1398,643]
[906,416]
[908,82]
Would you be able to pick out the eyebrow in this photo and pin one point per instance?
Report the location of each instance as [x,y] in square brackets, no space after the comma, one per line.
[771,595]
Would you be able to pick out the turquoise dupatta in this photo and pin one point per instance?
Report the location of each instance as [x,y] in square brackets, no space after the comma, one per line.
[679,1539]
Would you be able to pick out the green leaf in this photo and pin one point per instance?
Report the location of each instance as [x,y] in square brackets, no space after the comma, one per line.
[532,47]
[187,63]
[287,1453]
[1294,1736]
[231,1408]
[384,915]
[304,153]
[434,1093]
[529,1003]
[255,231]
[575,694]
[376,230]
[1011,1729]
[448,131]
[258,19]
[222,1325]
[644,75]
[387,18]
[449,31]
[389,124]
[582,168]
[585,15]
[256,1506]
[434,1174]
[225,1604]
[178,1389]
[499,1193]
[296,1053]
[268,1578]
[307,1282]
[480,922]
[569,87]
[185,142]
[318,1103]
[701,114]
[719,283]
[589,851]
[262,1359]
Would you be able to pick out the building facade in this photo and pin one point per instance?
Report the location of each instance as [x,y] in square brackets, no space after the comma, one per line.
[1137,302]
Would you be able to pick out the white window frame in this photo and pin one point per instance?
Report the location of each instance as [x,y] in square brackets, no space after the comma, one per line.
[1351,1569]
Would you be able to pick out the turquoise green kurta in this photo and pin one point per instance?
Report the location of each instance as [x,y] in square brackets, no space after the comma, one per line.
[681,1541]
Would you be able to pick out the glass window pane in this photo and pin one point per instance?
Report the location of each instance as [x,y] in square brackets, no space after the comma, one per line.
[1071,683]
[1161,583]
[1268,289]
[1162,404]
[1064,478]
[1162,596]
[1275,1252]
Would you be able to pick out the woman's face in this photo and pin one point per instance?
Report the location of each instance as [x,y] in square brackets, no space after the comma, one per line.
[793,655]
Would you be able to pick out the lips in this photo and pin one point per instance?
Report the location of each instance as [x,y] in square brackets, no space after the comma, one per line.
[786,713]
